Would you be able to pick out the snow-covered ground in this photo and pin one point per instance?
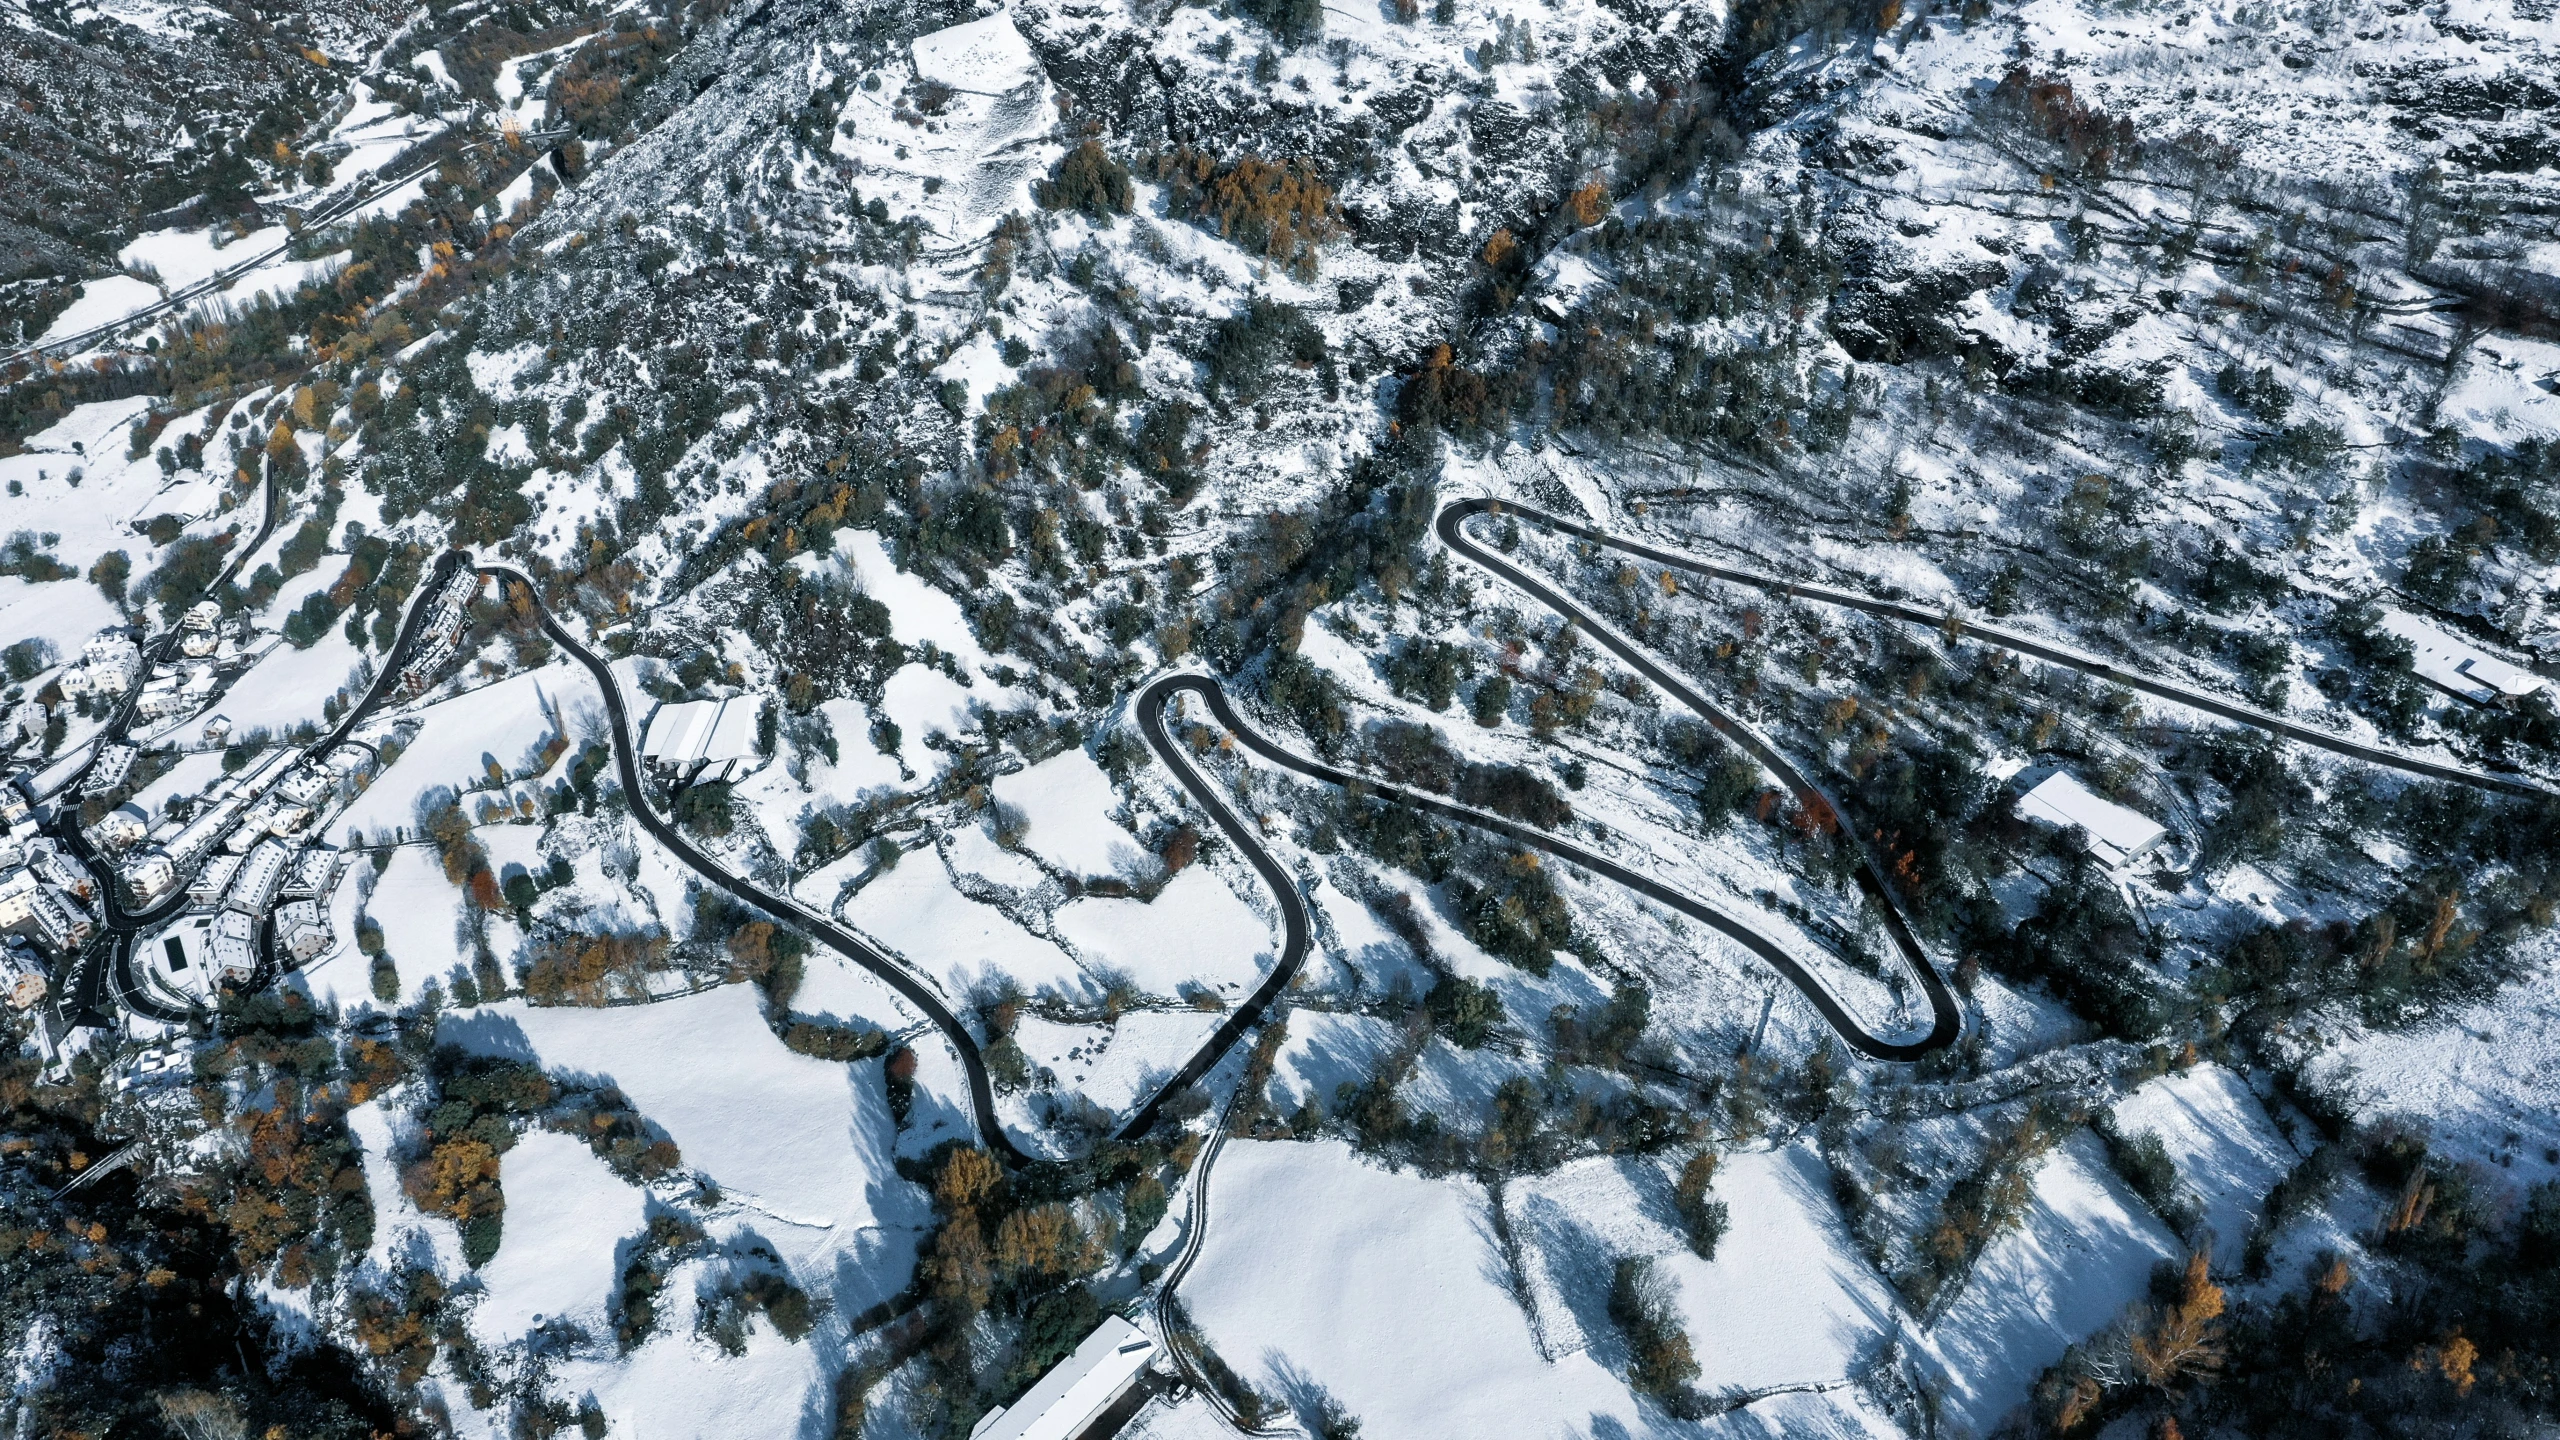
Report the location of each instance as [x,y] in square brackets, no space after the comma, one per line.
[799,1148]
[2085,1251]
[504,722]
[1323,1274]
[1068,802]
[1194,932]
[2227,1152]
[557,1258]
[1787,1300]
[2480,1080]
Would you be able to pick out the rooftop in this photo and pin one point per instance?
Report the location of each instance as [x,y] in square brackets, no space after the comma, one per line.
[1078,1388]
[2117,836]
[2459,666]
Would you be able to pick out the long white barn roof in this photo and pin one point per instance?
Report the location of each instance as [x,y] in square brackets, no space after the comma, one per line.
[2116,834]
[1077,1389]
[2463,668]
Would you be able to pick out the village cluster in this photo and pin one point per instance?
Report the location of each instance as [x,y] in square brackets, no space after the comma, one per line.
[106,897]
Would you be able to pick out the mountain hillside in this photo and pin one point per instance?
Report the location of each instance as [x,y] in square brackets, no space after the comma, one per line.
[1788,717]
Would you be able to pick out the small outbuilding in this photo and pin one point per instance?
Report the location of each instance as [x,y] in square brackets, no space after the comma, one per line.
[2117,836]
[1077,1390]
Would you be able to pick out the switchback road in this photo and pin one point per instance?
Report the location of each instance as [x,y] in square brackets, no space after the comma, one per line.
[1946,1020]
[982,1097]
[1453,519]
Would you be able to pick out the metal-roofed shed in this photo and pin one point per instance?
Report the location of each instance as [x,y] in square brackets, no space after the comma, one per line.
[1076,1389]
[2117,836]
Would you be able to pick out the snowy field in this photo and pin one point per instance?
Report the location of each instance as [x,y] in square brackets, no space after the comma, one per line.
[800,1148]
[917,912]
[2227,1152]
[558,1258]
[1068,802]
[1787,1300]
[2481,1081]
[1324,1274]
[2084,1252]
[1196,931]
[505,722]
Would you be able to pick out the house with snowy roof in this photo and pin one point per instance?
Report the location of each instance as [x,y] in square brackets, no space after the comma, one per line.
[2458,667]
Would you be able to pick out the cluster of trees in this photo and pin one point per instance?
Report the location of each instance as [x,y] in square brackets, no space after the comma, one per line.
[599,91]
[29,556]
[378,580]
[137,1288]
[572,969]
[1702,1216]
[1282,210]
[482,1103]
[2088,947]
[724,1313]
[2044,103]
[1660,1361]
[427,450]
[826,637]
[1416,756]
[1513,911]
[1087,179]
[297,1200]
[1430,671]
[2143,1162]
[2453,1324]
[669,1238]
[1369,528]
[2433,944]
[1636,360]
[1605,1036]
[1061,422]
[1019,1246]
[625,1140]
[1977,1208]
[1244,350]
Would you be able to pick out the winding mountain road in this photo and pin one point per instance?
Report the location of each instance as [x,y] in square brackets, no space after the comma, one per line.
[1453,518]
[982,1097]
[1155,702]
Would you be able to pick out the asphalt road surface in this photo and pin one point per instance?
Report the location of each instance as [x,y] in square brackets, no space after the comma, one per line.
[982,1097]
[1454,516]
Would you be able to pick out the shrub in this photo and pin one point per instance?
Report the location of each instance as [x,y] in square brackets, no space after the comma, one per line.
[1246,346]
[27,659]
[1057,1324]
[1516,915]
[824,1041]
[1660,1362]
[1702,1216]
[1089,180]
[1464,1010]
[111,573]
[703,809]
[1430,671]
